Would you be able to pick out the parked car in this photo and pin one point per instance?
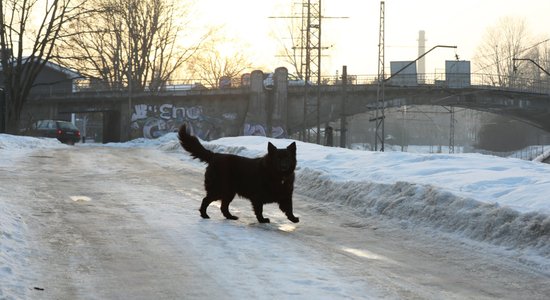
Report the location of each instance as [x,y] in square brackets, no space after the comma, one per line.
[183,87]
[65,132]
[293,80]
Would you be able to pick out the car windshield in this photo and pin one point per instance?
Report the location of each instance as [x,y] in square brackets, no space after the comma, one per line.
[66,126]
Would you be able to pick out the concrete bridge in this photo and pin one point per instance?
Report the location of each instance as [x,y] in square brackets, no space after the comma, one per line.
[280,109]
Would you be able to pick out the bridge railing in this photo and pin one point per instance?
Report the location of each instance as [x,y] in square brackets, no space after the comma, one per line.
[477,80]
[438,79]
[512,83]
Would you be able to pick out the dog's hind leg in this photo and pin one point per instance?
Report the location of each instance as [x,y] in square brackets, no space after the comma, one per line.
[226,200]
[205,202]
[258,210]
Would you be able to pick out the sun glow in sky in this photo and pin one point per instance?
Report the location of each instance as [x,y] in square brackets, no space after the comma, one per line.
[353,41]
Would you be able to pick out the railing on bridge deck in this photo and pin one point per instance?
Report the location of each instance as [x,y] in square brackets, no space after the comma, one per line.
[476,80]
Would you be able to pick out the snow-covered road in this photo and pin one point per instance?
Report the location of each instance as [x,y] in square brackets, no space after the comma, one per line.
[122,223]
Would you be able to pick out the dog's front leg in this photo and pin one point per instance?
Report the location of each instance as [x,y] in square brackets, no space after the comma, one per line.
[258,210]
[286,207]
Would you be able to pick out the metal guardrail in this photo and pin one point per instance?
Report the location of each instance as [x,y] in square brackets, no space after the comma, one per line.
[475,80]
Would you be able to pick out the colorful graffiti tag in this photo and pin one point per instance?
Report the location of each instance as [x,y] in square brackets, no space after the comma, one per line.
[260,130]
[153,121]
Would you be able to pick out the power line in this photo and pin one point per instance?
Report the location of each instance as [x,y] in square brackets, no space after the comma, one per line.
[310,48]
[510,56]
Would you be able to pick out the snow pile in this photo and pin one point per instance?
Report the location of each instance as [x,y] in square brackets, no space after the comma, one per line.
[543,156]
[426,205]
[13,142]
[169,138]
[486,198]
[12,253]
[13,247]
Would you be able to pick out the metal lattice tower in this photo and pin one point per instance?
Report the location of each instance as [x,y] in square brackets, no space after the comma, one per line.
[311,62]
[310,47]
[380,101]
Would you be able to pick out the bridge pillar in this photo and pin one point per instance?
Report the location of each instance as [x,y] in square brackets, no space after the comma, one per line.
[256,115]
[125,120]
[112,126]
[267,112]
[278,106]
[3,111]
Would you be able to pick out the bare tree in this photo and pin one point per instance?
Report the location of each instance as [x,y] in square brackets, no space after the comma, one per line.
[536,62]
[26,45]
[293,48]
[99,50]
[211,64]
[544,57]
[131,41]
[293,43]
[509,38]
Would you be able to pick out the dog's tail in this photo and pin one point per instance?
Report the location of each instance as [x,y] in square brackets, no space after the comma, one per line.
[192,145]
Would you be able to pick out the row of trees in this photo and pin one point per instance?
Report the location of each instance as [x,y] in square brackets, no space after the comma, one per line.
[120,43]
[128,42]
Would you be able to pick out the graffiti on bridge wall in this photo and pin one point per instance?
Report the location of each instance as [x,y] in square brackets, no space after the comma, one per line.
[260,130]
[153,121]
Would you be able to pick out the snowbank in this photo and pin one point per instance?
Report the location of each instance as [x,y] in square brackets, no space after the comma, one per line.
[426,205]
[485,198]
[14,142]
[13,246]
[13,253]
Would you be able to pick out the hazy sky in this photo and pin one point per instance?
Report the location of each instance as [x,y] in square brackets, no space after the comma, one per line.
[354,41]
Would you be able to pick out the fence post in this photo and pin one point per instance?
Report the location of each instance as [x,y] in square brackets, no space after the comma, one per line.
[3,111]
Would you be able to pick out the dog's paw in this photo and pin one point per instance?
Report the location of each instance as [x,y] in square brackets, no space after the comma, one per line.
[205,216]
[263,220]
[294,219]
[232,217]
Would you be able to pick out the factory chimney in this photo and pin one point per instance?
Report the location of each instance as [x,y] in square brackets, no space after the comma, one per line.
[421,62]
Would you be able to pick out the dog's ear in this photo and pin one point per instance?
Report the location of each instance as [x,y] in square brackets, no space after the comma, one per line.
[271,148]
[292,147]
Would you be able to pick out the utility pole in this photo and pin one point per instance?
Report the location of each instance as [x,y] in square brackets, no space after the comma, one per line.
[311,28]
[380,101]
[343,120]
[452,131]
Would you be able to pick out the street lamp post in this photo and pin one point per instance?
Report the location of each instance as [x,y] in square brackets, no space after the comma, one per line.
[528,59]
[380,96]
[420,57]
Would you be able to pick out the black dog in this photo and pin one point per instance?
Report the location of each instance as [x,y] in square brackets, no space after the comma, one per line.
[268,179]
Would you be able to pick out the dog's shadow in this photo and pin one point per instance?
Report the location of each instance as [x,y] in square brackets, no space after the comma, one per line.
[275,227]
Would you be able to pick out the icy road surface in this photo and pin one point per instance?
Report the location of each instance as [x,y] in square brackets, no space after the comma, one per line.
[122,223]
